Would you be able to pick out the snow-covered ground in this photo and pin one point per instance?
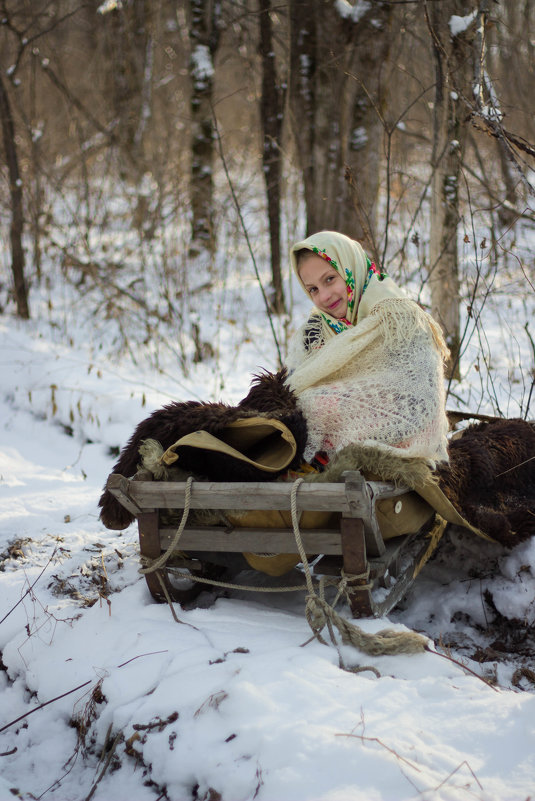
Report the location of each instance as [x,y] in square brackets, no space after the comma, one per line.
[105,696]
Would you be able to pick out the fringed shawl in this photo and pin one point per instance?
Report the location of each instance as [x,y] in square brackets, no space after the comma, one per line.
[380,380]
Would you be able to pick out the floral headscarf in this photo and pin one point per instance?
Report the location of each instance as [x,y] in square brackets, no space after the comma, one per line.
[366,284]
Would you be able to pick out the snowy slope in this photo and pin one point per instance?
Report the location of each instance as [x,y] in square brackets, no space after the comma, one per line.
[228,703]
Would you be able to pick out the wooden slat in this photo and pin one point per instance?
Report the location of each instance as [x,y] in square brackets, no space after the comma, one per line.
[211,495]
[119,486]
[362,504]
[355,563]
[149,545]
[253,540]
[242,495]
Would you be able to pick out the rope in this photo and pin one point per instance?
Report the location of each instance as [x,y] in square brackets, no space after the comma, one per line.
[153,565]
[319,613]
[229,586]
[167,597]
[434,537]
[297,534]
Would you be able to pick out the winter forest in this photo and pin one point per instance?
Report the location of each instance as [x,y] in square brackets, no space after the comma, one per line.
[143,141]
[158,158]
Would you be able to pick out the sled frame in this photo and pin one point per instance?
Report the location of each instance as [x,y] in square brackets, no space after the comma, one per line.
[376,568]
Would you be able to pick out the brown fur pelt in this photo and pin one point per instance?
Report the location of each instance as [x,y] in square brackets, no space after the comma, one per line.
[490,478]
[268,396]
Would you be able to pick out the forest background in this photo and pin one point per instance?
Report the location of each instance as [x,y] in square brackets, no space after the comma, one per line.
[147,143]
[157,159]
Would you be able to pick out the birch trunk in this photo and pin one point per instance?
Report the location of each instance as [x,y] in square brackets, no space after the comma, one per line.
[204,25]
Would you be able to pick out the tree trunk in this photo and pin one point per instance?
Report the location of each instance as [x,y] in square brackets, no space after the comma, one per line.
[302,92]
[449,136]
[271,112]
[128,46]
[204,39]
[336,92]
[17,216]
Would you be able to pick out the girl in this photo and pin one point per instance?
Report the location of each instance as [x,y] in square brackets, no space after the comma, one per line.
[367,366]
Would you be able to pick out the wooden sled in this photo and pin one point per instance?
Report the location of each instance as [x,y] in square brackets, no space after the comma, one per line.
[378,571]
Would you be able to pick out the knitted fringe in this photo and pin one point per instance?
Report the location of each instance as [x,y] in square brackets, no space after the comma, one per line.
[402,319]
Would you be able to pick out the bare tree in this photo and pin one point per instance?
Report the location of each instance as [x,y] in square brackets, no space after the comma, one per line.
[17,216]
[337,52]
[204,35]
[126,47]
[452,59]
[486,107]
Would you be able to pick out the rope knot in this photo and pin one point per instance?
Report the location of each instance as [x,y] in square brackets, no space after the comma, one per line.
[315,615]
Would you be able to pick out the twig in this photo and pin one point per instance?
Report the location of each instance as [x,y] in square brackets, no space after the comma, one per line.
[69,692]
[74,101]
[242,222]
[363,738]
[464,667]
[464,340]
[139,656]
[105,766]
[453,772]
[30,588]
[532,343]
[46,703]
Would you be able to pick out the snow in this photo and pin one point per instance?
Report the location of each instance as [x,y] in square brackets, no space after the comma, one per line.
[359,138]
[460,24]
[228,703]
[109,5]
[202,63]
[353,11]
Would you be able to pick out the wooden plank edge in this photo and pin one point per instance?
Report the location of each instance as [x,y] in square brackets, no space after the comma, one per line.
[253,540]
[119,487]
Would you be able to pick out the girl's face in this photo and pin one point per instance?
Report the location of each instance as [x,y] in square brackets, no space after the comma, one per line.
[325,286]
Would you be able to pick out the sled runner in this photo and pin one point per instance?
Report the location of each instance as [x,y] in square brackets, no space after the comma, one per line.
[374,536]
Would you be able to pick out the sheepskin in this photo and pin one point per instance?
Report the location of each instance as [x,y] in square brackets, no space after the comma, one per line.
[268,396]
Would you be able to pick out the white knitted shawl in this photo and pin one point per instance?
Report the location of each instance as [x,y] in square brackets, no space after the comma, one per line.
[381,381]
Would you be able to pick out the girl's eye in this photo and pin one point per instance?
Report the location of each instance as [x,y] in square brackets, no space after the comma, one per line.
[312,290]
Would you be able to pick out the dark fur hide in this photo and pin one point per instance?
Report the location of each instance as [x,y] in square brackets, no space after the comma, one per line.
[268,395]
[490,478]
